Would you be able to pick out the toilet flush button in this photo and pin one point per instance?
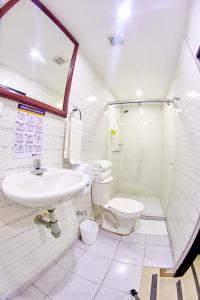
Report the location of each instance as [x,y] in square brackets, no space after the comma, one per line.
[1,109]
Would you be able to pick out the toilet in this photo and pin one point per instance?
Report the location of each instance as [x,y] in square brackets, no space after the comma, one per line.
[118,214]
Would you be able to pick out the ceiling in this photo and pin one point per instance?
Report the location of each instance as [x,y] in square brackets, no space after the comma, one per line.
[152,39]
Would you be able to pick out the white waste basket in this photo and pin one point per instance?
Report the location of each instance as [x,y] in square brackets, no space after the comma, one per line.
[89,230]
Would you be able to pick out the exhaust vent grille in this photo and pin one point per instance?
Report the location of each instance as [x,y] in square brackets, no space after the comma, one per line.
[116,40]
[59,60]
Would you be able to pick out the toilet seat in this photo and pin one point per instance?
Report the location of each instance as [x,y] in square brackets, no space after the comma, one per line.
[125,206]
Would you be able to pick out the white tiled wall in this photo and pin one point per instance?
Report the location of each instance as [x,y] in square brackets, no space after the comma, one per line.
[25,249]
[140,157]
[184,203]
[168,152]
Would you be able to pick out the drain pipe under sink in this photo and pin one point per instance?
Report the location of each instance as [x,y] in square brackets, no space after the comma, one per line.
[55,229]
[48,219]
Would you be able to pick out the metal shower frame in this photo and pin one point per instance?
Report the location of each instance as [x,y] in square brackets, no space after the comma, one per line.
[168,101]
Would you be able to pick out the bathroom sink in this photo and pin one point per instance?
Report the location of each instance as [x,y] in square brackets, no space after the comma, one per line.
[53,187]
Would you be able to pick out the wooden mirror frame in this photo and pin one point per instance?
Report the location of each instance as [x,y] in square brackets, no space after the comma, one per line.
[31,101]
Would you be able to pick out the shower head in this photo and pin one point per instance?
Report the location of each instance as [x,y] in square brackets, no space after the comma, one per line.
[125,111]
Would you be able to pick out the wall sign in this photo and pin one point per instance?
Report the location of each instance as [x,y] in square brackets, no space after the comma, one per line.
[28,131]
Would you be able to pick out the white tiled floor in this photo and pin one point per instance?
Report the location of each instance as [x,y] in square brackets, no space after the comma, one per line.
[107,270]
[158,240]
[50,278]
[104,246]
[92,267]
[152,205]
[130,253]
[74,287]
[71,258]
[151,227]
[123,277]
[158,256]
[105,293]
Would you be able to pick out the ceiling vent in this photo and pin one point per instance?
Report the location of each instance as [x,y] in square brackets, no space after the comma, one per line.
[116,40]
[59,60]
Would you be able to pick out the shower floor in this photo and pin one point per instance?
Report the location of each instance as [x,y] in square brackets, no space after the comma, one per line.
[152,206]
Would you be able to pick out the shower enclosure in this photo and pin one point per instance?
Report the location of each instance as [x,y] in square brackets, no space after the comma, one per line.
[137,147]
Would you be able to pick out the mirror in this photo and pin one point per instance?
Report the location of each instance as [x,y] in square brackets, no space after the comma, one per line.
[37,56]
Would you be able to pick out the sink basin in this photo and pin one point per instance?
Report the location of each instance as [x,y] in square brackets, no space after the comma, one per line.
[53,187]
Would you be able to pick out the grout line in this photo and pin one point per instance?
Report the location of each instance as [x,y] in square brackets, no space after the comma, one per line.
[130,264]
[71,273]
[31,285]
[108,269]
[52,287]
[67,270]
[84,251]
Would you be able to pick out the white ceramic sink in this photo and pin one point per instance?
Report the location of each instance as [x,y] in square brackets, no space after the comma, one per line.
[53,187]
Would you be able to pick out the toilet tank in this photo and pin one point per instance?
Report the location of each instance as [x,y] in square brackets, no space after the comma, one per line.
[101,191]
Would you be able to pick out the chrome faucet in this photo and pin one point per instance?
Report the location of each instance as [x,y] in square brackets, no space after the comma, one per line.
[37,170]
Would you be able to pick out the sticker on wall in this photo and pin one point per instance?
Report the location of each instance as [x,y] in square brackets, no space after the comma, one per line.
[28,131]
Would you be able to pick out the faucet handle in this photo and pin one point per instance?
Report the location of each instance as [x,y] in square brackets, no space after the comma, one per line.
[37,163]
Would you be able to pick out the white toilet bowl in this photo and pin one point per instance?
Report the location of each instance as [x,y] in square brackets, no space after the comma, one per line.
[126,211]
[118,214]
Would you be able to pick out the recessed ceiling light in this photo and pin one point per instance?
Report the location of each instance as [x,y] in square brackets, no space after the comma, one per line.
[124,12]
[35,53]
[92,99]
[139,93]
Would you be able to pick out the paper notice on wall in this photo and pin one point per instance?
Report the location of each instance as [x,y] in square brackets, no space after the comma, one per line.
[28,131]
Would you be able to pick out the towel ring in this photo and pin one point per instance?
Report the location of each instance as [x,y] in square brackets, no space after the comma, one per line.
[77,109]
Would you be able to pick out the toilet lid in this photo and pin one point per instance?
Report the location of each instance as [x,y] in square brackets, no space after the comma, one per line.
[125,206]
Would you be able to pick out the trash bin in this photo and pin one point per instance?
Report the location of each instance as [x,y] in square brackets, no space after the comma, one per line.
[89,230]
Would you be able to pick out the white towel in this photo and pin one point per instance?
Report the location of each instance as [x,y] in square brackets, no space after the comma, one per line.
[100,176]
[75,141]
[101,165]
[67,134]
[73,137]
